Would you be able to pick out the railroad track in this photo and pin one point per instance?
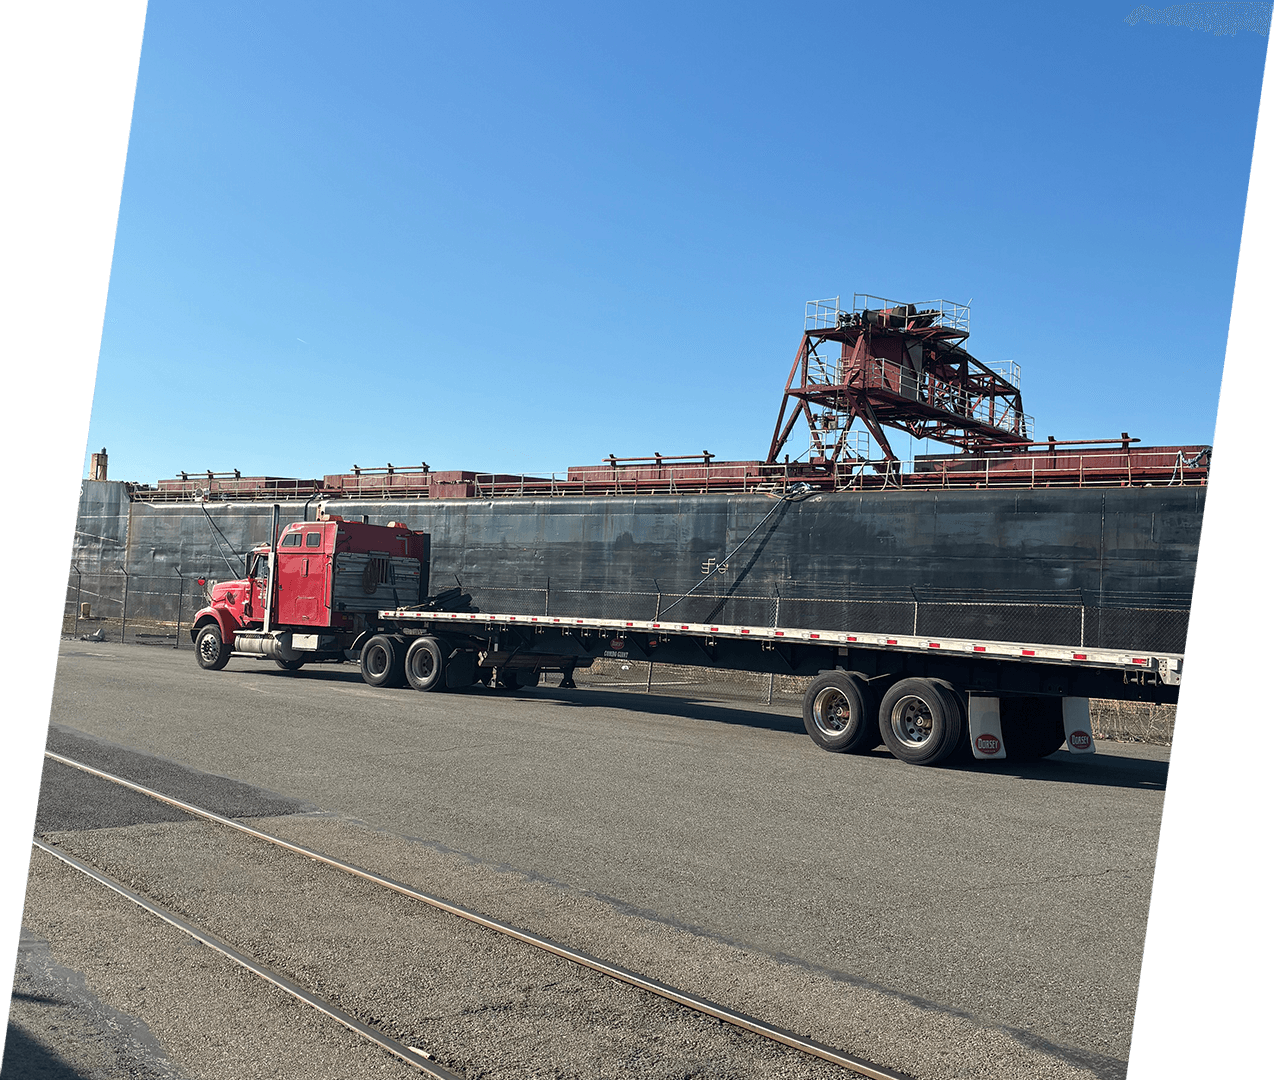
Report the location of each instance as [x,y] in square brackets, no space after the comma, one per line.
[416,1057]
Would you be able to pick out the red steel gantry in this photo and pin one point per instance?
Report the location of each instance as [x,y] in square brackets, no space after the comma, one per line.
[896,365]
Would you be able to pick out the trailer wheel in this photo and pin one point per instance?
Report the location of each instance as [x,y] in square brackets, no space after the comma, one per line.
[291,665]
[1032,727]
[423,666]
[210,651]
[381,661]
[961,750]
[835,711]
[921,721]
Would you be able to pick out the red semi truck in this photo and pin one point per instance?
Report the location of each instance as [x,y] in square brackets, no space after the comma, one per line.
[336,590]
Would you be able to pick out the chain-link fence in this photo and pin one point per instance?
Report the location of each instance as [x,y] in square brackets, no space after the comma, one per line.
[1036,620]
[157,609]
[145,608]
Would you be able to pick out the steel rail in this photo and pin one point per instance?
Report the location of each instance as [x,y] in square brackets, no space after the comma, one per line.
[575,956]
[400,1050]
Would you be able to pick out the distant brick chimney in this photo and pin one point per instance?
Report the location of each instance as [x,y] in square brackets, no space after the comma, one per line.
[97,466]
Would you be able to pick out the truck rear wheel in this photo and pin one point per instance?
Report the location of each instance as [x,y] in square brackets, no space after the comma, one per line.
[836,715]
[381,661]
[424,665]
[210,651]
[920,721]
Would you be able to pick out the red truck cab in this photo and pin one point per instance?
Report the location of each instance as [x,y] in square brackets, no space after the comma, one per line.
[329,576]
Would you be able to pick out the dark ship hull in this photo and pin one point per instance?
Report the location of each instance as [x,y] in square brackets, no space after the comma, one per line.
[1109,567]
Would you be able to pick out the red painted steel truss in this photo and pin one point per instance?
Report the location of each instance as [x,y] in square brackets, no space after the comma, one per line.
[896,366]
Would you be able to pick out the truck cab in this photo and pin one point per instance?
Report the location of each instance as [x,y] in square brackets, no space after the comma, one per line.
[311,595]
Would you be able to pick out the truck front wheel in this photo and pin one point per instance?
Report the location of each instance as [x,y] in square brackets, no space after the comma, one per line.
[836,716]
[210,651]
[381,661]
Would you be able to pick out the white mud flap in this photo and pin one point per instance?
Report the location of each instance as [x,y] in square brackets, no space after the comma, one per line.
[1079,729]
[985,734]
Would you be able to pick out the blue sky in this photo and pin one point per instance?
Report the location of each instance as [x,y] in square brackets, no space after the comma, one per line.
[524,237]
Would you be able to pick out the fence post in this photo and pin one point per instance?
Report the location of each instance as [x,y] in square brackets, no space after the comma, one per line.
[769,693]
[650,667]
[123,608]
[181,588]
[79,582]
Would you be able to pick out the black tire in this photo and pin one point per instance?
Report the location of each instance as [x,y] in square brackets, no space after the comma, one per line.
[836,713]
[291,665]
[961,749]
[921,721]
[381,661]
[1032,727]
[424,665]
[211,652]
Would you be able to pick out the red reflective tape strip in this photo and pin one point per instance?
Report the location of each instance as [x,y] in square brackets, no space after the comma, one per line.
[935,645]
[850,637]
[891,641]
[778,633]
[979,648]
[1028,652]
[1138,660]
[813,635]
[1079,656]
[684,626]
[715,629]
[744,630]
[628,624]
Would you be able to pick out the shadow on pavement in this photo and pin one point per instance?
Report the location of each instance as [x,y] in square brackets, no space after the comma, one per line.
[27,1059]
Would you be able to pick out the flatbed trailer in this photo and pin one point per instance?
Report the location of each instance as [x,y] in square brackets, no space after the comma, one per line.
[921,696]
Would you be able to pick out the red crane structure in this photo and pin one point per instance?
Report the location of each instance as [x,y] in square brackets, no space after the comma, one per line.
[902,366]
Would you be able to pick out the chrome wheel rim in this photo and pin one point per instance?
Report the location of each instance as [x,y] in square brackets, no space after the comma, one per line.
[209,647]
[832,711]
[912,721]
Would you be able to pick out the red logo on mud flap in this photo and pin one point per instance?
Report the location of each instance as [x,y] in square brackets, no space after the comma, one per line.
[987,744]
[1081,740]
[617,643]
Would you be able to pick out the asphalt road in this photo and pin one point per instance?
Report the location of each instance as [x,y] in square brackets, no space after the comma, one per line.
[951,922]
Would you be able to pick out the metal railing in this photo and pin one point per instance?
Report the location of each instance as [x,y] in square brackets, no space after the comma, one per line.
[1086,468]
[938,312]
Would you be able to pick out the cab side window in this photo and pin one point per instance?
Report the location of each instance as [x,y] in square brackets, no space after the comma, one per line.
[313,539]
[291,540]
